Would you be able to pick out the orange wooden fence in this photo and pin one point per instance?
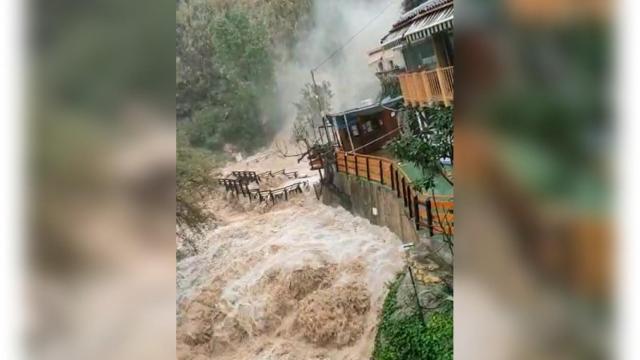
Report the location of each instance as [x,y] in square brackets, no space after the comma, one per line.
[433,213]
[425,87]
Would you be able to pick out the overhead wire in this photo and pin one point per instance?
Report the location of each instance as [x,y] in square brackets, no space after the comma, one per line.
[335,52]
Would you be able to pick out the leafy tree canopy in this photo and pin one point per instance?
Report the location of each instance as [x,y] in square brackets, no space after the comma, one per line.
[425,145]
[313,103]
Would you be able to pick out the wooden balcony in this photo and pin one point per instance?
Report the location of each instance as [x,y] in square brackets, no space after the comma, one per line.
[424,88]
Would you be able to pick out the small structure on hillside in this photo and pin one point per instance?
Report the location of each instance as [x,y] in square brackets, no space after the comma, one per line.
[423,39]
[367,128]
[385,61]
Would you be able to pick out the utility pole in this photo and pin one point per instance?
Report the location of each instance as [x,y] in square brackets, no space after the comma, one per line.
[320,107]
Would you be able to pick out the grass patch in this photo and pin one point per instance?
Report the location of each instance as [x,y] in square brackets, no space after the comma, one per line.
[405,337]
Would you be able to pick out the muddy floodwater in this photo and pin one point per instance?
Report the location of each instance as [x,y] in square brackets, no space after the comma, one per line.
[300,280]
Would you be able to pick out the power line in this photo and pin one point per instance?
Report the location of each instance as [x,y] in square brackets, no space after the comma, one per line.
[354,36]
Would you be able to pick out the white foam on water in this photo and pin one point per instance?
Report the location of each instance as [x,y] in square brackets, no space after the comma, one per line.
[254,319]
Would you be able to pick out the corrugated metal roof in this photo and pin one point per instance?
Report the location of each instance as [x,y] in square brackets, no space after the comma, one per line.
[420,8]
[393,38]
[436,22]
[439,20]
[367,109]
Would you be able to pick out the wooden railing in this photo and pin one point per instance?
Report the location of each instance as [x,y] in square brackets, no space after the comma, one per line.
[427,87]
[433,213]
[240,185]
[290,175]
[246,176]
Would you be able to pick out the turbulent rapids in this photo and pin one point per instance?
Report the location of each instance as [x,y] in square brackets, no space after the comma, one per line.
[298,280]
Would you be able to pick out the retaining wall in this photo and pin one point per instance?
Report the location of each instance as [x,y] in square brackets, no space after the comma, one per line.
[381,206]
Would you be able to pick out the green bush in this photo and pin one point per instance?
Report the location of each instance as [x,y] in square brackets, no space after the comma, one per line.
[425,146]
[405,337]
[194,182]
[225,78]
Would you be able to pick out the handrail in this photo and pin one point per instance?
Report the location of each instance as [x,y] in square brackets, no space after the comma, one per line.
[379,158]
[283,172]
[263,195]
[416,202]
[429,71]
[423,87]
[278,190]
[241,185]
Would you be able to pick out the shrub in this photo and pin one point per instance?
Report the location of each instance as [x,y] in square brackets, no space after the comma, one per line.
[405,337]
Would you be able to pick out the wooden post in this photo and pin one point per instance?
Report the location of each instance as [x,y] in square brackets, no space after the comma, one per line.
[442,81]
[368,174]
[407,195]
[429,217]
[393,183]
[346,166]
[397,183]
[356,160]
[404,192]
[427,88]
[381,174]
[416,210]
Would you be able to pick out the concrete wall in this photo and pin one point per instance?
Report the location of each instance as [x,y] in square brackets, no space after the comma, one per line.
[372,201]
[361,197]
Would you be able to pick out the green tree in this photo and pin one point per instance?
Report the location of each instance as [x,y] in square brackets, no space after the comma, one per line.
[224,88]
[427,143]
[390,86]
[198,76]
[314,102]
[193,185]
[243,49]
[225,78]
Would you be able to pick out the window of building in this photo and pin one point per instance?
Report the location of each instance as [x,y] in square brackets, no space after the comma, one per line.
[367,127]
[420,55]
[354,130]
[448,46]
